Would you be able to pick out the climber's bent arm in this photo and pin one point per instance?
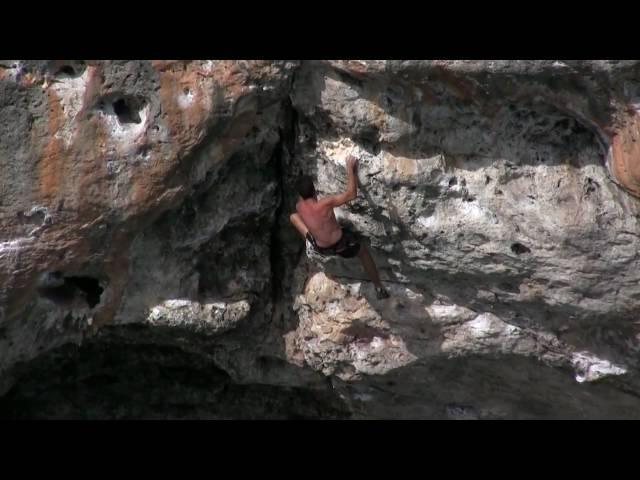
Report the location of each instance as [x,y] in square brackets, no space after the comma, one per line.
[352,187]
[297,222]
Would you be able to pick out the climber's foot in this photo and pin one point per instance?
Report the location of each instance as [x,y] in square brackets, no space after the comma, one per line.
[381,292]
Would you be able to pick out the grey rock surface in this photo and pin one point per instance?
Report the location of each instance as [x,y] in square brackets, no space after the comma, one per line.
[147,258]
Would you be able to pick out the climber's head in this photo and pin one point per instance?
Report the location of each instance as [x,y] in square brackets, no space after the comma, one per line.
[305,187]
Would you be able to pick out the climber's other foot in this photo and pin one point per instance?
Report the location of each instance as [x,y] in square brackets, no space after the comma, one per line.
[381,292]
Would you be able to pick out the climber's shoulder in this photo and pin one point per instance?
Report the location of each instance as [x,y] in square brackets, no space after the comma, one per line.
[331,201]
[322,206]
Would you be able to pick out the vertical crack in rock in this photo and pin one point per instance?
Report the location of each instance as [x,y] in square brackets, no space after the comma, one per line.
[277,263]
[283,156]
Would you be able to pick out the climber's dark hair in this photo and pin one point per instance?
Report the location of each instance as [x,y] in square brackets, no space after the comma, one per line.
[305,187]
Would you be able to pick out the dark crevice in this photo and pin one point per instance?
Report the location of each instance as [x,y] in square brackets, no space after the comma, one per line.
[63,290]
[275,245]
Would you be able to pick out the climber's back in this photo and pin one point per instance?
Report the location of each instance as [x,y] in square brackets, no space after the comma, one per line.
[318,216]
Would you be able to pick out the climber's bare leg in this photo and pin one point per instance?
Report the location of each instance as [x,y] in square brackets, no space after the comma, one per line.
[299,224]
[371,270]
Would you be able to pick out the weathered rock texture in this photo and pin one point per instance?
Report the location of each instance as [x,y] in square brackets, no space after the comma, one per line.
[147,268]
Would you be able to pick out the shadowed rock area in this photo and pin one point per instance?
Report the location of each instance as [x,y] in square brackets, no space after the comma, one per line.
[148,268]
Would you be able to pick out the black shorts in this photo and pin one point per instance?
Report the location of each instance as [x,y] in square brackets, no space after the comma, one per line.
[348,246]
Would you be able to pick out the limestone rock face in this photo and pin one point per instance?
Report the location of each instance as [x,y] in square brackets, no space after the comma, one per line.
[144,212]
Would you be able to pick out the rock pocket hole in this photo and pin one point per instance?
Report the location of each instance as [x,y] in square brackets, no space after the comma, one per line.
[369,139]
[519,248]
[72,69]
[590,186]
[63,290]
[126,111]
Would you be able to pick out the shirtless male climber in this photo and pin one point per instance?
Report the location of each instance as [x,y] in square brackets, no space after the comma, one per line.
[317,223]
